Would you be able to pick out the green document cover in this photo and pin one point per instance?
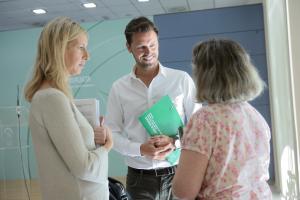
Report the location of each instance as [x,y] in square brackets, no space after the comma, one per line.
[163,118]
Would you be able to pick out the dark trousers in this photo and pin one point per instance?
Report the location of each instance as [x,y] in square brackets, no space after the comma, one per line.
[150,184]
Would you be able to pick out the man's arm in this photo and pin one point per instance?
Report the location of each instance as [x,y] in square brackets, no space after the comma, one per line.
[114,120]
[189,103]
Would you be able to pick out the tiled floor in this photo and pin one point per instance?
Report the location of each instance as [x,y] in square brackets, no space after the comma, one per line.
[16,190]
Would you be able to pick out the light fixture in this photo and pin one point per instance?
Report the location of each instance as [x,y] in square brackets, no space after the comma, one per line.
[89,5]
[39,11]
[143,0]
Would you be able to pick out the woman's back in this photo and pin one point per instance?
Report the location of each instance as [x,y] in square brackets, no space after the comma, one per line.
[235,138]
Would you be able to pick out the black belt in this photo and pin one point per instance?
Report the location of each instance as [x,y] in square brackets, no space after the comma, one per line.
[154,172]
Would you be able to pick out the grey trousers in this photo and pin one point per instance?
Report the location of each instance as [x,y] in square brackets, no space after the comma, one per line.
[147,186]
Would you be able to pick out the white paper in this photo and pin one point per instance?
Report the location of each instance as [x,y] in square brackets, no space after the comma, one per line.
[89,108]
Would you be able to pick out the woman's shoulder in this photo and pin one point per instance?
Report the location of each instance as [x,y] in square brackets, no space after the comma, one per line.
[205,113]
[46,92]
[49,95]
[209,112]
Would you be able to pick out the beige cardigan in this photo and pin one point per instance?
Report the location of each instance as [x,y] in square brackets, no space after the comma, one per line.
[70,166]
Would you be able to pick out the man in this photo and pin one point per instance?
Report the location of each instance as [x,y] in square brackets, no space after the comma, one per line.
[149,174]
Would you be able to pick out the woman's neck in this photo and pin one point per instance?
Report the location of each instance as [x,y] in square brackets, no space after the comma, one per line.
[46,84]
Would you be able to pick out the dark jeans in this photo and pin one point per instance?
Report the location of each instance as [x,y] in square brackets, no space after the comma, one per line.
[143,186]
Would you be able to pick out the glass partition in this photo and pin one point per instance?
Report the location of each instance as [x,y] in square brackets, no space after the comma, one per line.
[18,176]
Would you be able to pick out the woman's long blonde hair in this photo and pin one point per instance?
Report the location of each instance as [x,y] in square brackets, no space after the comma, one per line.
[50,64]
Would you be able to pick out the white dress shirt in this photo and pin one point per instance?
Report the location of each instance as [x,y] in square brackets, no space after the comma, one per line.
[130,97]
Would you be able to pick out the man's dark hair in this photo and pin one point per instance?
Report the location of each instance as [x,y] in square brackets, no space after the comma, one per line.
[138,25]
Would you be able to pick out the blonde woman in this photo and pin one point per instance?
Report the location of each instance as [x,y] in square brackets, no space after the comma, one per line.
[225,146]
[70,166]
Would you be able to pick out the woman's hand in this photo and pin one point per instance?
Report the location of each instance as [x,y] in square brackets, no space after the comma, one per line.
[109,140]
[103,135]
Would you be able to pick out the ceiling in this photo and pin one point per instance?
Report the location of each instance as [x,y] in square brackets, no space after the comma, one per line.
[17,14]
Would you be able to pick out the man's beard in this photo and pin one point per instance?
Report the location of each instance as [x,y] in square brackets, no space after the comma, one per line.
[146,65]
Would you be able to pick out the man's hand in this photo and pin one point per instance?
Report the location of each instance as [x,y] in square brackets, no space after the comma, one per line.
[158,147]
[163,140]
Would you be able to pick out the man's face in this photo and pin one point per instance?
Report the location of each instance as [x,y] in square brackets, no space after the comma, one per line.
[144,48]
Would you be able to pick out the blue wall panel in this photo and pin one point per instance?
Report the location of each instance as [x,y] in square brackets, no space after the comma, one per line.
[260,63]
[179,32]
[222,20]
[180,48]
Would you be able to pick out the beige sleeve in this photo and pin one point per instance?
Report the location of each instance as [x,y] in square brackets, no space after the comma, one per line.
[59,120]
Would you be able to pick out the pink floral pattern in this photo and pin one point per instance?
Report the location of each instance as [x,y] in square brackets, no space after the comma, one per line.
[235,138]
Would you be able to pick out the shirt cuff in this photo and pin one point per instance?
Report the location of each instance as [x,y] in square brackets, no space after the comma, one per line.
[134,149]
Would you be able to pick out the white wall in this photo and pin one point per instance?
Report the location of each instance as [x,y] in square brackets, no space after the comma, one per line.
[293,7]
[282,45]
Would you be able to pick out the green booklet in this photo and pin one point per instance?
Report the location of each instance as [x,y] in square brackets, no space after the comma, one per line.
[163,118]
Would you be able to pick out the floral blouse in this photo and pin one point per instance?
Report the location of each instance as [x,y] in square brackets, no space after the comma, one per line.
[235,138]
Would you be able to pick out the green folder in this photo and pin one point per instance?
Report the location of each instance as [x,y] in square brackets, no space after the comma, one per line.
[163,118]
